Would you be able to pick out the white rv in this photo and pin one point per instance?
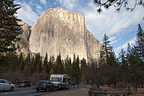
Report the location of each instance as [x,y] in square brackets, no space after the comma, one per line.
[60,81]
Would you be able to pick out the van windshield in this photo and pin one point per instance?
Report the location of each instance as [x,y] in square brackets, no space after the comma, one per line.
[56,79]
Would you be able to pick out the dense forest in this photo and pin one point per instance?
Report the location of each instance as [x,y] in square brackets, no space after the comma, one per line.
[126,70]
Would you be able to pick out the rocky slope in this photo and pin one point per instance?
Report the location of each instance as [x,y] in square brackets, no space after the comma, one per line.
[59,31]
[23,44]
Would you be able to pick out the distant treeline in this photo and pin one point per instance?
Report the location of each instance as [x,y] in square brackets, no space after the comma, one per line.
[126,70]
[17,68]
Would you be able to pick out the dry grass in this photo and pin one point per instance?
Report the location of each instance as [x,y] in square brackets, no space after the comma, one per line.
[111,89]
[139,92]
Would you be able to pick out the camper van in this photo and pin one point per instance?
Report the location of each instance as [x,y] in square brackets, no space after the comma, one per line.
[60,81]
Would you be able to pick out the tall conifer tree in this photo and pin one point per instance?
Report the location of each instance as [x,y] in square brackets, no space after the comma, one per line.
[9,28]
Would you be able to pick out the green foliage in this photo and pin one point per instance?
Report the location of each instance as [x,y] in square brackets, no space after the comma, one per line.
[123,66]
[76,74]
[51,65]
[59,66]
[68,66]
[107,62]
[45,64]
[8,25]
[84,69]
[38,63]
[8,32]
[140,43]
[21,62]
[105,51]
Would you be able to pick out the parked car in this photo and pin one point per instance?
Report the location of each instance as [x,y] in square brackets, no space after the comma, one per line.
[45,85]
[24,84]
[6,85]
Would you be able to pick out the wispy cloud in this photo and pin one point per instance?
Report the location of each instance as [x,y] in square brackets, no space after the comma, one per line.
[68,4]
[112,42]
[125,19]
[124,46]
[60,1]
[39,7]
[110,21]
[43,2]
[26,13]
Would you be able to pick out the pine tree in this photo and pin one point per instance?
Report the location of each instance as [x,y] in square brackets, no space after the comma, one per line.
[140,43]
[51,64]
[45,65]
[38,63]
[28,58]
[93,71]
[73,68]
[84,69]
[105,50]
[8,25]
[32,64]
[68,66]
[123,66]
[107,61]
[59,68]
[21,62]
[135,73]
[76,75]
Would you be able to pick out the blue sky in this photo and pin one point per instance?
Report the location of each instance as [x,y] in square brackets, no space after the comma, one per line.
[121,26]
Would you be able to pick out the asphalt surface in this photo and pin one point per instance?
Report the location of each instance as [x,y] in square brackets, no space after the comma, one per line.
[28,91]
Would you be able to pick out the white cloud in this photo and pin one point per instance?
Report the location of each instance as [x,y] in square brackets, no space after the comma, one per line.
[60,1]
[112,42]
[124,19]
[43,2]
[68,4]
[39,7]
[112,38]
[110,21]
[124,46]
[27,14]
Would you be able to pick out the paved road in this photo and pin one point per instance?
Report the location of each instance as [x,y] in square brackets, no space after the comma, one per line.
[20,92]
[30,92]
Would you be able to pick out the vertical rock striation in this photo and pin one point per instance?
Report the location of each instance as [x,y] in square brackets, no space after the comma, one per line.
[59,31]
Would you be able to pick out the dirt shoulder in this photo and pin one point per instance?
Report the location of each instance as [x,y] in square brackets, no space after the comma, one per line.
[72,92]
[139,92]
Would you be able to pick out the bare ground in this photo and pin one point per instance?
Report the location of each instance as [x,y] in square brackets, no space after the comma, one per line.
[139,92]
[73,92]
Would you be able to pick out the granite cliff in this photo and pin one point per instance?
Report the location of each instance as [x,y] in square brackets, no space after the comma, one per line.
[59,31]
[23,45]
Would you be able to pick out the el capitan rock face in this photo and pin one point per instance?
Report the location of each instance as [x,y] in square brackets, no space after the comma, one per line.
[59,31]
